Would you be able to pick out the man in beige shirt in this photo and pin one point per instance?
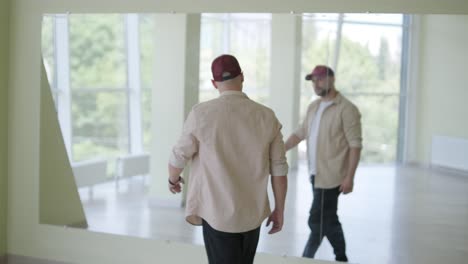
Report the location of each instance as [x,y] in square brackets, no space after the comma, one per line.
[234,144]
[332,129]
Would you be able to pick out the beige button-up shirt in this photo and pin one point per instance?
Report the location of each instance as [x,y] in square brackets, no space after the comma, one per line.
[234,144]
[340,130]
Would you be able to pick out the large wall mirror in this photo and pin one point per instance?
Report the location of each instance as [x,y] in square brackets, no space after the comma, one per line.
[102,70]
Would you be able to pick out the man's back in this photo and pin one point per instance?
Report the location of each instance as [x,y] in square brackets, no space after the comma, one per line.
[235,144]
[234,130]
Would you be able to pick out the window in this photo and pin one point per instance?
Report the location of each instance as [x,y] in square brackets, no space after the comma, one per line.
[99,67]
[246,36]
[147,46]
[98,86]
[48,52]
[366,54]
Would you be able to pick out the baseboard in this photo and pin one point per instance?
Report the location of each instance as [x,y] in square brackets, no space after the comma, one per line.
[449,170]
[416,164]
[15,259]
[437,168]
[83,224]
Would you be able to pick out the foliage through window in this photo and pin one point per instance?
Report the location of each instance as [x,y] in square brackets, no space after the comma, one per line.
[365,53]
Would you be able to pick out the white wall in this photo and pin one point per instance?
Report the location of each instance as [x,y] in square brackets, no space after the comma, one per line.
[269,6]
[442,92]
[4,27]
[25,235]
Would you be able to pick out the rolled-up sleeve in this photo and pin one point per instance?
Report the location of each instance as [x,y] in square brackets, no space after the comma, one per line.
[278,162]
[187,145]
[352,126]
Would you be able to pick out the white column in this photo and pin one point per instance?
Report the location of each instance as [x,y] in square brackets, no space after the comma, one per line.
[286,39]
[63,80]
[134,83]
[409,129]
[175,91]
[339,31]
[226,33]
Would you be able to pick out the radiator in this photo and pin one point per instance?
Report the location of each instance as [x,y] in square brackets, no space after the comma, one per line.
[132,165]
[89,173]
[450,152]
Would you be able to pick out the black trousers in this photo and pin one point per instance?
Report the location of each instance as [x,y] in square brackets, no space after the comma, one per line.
[230,248]
[324,222]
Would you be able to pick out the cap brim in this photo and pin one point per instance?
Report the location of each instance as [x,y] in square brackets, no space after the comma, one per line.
[308,77]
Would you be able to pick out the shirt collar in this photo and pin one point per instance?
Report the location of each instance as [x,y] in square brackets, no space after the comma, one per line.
[238,93]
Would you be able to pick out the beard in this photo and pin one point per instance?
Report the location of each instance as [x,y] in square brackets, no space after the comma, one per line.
[322,92]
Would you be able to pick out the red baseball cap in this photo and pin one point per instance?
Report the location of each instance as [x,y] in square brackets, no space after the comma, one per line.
[320,71]
[225,67]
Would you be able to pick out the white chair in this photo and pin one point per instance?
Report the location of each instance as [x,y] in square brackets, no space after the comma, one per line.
[89,173]
[132,165]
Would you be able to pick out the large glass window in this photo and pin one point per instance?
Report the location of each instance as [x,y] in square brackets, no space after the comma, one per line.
[97,90]
[100,125]
[246,36]
[87,61]
[318,42]
[48,51]
[98,86]
[97,51]
[366,52]
[147,51]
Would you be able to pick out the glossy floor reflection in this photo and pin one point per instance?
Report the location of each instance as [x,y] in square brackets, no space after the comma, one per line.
[394,215]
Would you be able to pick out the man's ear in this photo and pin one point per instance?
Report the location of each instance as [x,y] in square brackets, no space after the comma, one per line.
[214,84]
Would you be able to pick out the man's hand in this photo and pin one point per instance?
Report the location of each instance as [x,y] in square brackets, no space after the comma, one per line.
[277,218]
[347,185]
[175,185]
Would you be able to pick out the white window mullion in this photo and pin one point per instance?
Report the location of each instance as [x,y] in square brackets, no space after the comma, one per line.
[134,84]
[339,31]
[63,79]
[408,101]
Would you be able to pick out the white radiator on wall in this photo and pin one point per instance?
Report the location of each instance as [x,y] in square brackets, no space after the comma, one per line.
[132,165]
[90,172]
[450,152]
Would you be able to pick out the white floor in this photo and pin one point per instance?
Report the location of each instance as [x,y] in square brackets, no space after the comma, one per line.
[394,215]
